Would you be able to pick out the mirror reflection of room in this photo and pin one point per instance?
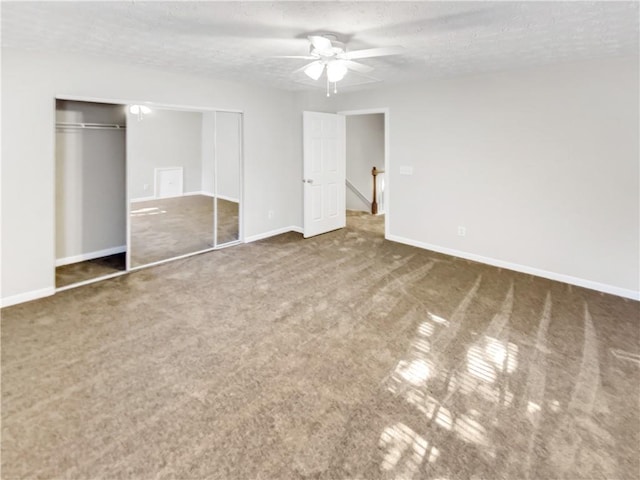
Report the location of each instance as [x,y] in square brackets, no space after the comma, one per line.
[227,180]
[90,191]
[171,210]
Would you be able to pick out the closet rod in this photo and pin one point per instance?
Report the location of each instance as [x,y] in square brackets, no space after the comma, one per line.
[105,126]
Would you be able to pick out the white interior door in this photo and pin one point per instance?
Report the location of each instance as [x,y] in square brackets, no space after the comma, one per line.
[324,172]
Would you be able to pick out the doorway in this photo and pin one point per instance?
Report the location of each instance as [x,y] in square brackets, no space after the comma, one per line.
[367,158]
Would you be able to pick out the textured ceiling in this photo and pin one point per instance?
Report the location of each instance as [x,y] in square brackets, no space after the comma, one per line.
[238,40]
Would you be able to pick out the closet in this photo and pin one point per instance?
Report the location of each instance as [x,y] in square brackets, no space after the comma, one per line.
[141,184]
[91,209]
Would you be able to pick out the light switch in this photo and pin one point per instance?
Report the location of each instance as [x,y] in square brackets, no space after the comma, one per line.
[406,170]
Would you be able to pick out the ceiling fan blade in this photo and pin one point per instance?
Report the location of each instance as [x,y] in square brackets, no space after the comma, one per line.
[371,52]
[357,67]
[320,43]
[303,57]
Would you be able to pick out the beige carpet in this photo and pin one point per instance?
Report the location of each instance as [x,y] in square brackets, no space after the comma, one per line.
[344,356]
[90,269]
[170,227]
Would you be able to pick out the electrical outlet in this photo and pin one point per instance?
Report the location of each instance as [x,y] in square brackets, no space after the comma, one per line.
[146,187]
[462,231]
[271,214]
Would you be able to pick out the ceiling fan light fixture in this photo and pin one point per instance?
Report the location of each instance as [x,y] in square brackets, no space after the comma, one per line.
[314,70]
[336,71]
[139,109]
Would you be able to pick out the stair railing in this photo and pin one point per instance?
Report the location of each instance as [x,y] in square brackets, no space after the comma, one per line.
[374,204]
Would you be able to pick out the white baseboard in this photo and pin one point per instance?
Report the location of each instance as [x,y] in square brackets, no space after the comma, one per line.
[142,199]
[186,194]
[358,209]
[27,296]
[189,194]
[90,256]
[272,233]
[580,282]
[213,195]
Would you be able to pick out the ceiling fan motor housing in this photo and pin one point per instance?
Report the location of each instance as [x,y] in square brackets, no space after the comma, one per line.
[337,47]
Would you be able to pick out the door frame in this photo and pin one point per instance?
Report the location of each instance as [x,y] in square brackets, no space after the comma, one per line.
[387,181]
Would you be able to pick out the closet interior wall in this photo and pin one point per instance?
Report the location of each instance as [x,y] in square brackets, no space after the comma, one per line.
[90,181]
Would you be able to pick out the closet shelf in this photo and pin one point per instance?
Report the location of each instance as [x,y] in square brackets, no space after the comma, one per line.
[102,126]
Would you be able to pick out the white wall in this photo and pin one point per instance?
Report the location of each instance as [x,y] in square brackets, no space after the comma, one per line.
[164,138]
[90,182]
[354,202]
[30,81]
[365,150]
[540,166]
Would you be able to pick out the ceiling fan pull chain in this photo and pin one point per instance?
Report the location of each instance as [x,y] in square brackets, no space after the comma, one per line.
[335,87]
[328,94]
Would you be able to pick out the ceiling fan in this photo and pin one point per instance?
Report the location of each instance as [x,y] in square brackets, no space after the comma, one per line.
[330,56]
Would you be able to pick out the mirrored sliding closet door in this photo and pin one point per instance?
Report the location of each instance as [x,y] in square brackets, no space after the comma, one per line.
[177,162]
[227,176]
[170,213]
